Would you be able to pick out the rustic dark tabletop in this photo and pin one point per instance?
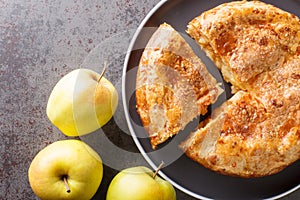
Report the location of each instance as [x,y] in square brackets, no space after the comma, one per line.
[41,41]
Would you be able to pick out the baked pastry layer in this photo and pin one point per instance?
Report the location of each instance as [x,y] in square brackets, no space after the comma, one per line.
[257,48]
[246,38]
[173,86]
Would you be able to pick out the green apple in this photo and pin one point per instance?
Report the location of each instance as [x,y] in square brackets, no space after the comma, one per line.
[139,183]
[81,102]
[66,169]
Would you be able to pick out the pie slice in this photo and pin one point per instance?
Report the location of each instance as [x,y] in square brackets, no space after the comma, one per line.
[256,132]
[173,86]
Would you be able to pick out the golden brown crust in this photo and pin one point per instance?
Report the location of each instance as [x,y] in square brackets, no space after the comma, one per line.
[172,86]
[246,38]
[245,139]
[257,132]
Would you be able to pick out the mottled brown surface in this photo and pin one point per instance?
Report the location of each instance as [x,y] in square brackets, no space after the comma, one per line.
[246,39]
[173,86]
[255,46]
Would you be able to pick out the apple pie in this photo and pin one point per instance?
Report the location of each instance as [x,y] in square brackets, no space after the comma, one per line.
[256,46]
[173,86]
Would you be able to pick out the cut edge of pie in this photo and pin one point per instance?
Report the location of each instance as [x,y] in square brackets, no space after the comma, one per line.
[173,86]
[257,132]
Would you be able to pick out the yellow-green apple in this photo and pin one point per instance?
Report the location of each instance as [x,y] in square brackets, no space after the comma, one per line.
[66,169]
[139,183]
[81,102]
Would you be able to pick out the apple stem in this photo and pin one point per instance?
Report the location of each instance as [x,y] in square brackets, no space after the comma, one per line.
[159,168]
[67,185]
[103,71]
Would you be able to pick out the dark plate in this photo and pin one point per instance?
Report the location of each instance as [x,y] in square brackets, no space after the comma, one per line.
[182,172]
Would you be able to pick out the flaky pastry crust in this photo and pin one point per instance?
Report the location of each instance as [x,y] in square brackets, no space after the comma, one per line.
[173,86]
[257,48]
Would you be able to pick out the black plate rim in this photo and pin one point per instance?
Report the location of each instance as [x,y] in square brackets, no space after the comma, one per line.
[128,119]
